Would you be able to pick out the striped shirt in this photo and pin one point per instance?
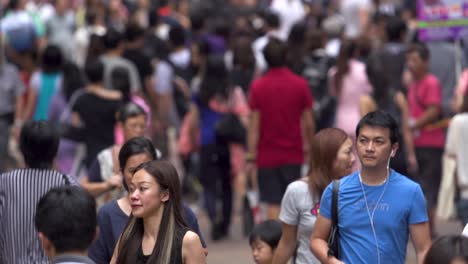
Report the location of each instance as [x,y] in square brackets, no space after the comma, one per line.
[20,191]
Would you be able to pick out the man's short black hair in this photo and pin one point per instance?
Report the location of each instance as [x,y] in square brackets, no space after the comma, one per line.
[421,49]
[268,231]
[383,119]
[275,53]
[67,217]
[52,59]
[112,39]
[177,36]
[39,142]
[395,28]
[94,71]
[272,20]
[133,32]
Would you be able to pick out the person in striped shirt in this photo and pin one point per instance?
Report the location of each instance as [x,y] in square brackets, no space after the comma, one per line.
[21,189]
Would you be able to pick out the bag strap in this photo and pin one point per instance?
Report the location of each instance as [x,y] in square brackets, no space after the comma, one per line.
[334,213]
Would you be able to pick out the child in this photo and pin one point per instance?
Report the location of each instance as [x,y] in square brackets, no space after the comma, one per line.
[263,240]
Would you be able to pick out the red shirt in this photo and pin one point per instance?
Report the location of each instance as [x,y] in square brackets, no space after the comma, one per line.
[422,94]
[280,97]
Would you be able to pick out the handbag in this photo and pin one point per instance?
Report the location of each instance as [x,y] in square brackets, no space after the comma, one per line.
[333,243]
[229,129]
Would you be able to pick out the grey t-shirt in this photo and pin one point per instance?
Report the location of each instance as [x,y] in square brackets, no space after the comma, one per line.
[298,209]
[11,86]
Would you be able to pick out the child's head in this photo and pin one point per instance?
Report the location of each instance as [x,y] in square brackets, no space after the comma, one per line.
[264,239]
[448,249]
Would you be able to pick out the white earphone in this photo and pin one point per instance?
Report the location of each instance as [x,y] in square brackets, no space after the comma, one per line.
[391,153]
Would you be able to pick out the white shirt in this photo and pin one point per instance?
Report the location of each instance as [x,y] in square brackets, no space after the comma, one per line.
[290,12]
[350,10]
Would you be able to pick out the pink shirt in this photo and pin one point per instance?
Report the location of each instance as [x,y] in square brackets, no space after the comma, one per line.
[355,85]
[422,94]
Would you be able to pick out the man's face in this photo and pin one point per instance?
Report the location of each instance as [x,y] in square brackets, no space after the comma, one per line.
[416,64]
[374,146]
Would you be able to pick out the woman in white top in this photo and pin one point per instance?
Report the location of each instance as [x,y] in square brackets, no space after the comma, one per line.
[331,158]
[456,150]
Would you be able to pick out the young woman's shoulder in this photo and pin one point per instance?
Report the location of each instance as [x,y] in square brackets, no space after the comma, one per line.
[190,238]
[192,250]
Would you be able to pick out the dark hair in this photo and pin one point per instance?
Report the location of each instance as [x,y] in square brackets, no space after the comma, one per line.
[133,32]
[94,71]
[120,79]
[315,39]
[67,217]
[446,249]
[268,231]
[383,119]
[395,28]
[132,147]
[347,52]
[379,80]
[90,17]
[177,36]
[112,39]
[39,142]
[95,48]
[324,149]
[197,21]
[51,59]
[215,79]
[243,55]
[153,17]
[271,19]
[421,49]
[275,53]
[296,47]
[130,242]
[129,110]
[72,79]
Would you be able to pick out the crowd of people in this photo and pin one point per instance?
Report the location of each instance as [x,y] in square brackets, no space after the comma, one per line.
[332,115]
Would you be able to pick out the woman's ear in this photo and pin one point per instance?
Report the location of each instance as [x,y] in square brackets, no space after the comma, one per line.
[165,196]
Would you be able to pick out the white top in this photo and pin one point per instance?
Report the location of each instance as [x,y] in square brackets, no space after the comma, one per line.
[298,209]
[290,12]
[465,231]
[457,144]
[350,10]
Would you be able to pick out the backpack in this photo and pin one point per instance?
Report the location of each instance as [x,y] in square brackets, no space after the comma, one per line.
[181,101]
[316,74]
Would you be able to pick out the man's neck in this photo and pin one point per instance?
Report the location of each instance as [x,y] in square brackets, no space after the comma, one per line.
[114,53]
[420,76]
[374,176]
[54,255]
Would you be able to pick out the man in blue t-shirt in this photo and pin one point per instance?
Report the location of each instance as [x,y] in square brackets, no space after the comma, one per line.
[378,208]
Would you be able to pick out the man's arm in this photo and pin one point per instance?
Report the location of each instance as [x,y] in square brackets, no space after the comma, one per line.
[253,131]
[430,114]
[421,239]
[319,240]
[308,125]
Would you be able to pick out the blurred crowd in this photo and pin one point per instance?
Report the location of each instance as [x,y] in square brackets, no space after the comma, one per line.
[231,93]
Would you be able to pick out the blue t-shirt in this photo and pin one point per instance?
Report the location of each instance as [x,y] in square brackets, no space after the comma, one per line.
[402,205]
[208,120]
[112,220]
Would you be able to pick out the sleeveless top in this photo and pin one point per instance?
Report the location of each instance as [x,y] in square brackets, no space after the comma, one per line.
[176,254]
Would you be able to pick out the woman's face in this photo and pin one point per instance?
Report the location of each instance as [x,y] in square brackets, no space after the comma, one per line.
[344,159]
[134,127]
[132,163]
[146,195]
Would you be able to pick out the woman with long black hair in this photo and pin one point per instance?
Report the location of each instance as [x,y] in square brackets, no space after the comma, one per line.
[156,231]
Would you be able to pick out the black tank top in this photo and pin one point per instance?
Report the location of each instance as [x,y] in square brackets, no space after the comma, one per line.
[176,254]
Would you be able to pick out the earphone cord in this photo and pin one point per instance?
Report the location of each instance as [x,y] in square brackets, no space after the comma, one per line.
[371,217]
